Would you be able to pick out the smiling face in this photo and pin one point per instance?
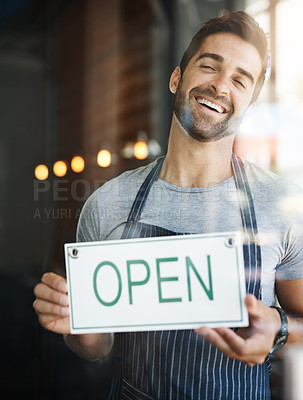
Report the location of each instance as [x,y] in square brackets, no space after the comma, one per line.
[216,87]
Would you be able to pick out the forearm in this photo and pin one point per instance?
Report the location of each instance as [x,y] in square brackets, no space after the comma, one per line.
[90,346]
[289,293]
[295,329]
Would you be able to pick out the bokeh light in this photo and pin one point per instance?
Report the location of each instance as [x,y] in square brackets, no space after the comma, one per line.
[41,172]
[104,158]
[140,150]
[60,168]
[77,164]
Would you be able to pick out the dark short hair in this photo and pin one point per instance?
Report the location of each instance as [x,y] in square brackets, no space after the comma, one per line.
[240,24]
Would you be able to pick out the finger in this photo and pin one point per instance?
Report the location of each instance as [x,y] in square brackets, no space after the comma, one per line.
[235,346]
[45,307]
[252,305]
[236,343]
[227,341]
[55,281]
[55,323]
[45,292]
[214,337]
[251,350]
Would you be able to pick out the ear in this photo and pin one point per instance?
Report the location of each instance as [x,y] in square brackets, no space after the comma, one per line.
[174,80]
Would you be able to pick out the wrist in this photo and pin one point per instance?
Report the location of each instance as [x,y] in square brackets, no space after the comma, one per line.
[281,330]
[92,346]
[277,321]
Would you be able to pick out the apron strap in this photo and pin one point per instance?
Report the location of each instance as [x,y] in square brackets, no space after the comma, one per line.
[251,249]
[244,195]
[139,203]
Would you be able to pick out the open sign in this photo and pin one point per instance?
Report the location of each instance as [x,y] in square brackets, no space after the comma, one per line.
[177,282]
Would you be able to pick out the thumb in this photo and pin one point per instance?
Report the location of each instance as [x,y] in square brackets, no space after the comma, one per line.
[251,303]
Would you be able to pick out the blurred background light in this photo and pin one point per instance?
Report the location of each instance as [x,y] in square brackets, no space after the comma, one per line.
[128,150]
[77,164]
[60,168]
[140,150]
[154,148]
[41,172]
[104,158]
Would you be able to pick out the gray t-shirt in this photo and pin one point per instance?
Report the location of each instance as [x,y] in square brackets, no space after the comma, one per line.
[278,206]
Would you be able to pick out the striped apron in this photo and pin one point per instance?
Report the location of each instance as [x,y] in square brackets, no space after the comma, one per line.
[181,364]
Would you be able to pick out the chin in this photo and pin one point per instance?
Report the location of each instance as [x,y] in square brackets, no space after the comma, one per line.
[207,138]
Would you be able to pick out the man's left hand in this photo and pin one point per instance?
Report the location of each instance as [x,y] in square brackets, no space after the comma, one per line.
[252,344]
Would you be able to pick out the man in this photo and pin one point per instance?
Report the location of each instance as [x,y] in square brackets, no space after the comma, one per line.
[200,187]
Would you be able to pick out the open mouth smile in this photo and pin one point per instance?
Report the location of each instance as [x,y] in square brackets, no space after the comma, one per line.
[211,106]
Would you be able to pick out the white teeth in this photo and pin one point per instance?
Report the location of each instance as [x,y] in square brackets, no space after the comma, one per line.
[212,105]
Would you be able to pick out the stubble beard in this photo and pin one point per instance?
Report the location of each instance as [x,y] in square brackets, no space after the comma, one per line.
[203,129]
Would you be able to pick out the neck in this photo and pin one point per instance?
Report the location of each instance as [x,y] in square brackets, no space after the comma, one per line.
[190,163]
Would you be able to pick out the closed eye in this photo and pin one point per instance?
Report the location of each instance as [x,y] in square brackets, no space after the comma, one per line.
[208,67]
[240,83]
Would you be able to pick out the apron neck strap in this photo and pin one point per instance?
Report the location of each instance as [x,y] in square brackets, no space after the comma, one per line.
[251,248]
[246,203]
[139,203]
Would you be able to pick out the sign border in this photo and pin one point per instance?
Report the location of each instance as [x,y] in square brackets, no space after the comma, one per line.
[67,246]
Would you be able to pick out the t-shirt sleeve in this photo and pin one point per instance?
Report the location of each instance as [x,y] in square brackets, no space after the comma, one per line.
[291,266]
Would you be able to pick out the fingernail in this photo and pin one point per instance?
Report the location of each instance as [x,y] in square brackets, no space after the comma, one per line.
[63,287]
[64,300]
[202,333]
[65,311]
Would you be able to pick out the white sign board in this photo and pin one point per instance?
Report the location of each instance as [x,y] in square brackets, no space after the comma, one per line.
[175,282]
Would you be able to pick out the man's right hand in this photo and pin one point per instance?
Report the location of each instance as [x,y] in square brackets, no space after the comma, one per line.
[52,308]
[51,304]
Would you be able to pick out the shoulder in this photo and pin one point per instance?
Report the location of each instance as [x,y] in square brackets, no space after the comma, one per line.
[269,182]
[110,204]
[278,202]
[278,205]
[121,187]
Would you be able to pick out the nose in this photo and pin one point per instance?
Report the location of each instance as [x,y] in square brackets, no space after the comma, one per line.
[220,85]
